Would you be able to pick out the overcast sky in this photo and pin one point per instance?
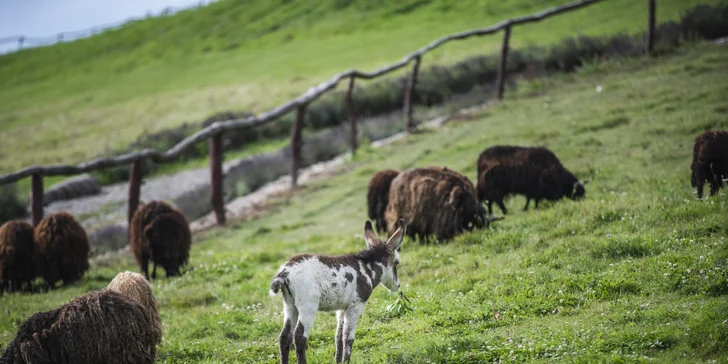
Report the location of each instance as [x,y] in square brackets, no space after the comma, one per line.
[42,18]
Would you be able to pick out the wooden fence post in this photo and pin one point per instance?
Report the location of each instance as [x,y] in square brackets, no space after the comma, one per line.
[352,116]
[651,26]
[409,93]
[135,185]
[216,150]
[36,190]
[503,64]
[296,143]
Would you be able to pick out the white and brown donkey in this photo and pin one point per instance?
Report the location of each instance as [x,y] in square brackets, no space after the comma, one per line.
[311,283]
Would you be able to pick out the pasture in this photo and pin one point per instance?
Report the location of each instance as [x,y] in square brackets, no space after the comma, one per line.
[160,73]
[637,271]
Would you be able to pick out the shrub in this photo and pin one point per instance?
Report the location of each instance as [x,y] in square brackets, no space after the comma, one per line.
[11,207]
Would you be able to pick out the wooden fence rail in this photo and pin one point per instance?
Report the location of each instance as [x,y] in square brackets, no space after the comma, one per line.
[214,131]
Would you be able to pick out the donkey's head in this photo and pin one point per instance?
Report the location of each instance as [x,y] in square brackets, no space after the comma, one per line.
[389,253]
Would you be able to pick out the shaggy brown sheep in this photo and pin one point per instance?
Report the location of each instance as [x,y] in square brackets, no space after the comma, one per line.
[534,172]
[119,324]
[62,248]
[710,161]
[17,256]
[100,327]
[160,233]
[468,184]
[433,203]
[378,197]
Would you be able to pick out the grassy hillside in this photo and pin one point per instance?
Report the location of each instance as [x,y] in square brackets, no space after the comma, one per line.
[636,271]
[70,102]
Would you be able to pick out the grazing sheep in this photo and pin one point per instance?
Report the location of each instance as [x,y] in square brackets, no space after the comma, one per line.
[102,326]
[118,324]
[710,161]
[378,197]
[17,254]
[468,184]
[160,233]
[62,248]
[434,202]
[534,172]
[311,283]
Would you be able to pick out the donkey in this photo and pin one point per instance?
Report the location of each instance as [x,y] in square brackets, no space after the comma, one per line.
[311,283]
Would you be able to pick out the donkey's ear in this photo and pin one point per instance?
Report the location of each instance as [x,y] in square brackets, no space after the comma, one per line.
[396,239]
[369,235]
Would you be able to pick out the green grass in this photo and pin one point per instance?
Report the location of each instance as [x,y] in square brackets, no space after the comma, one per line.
[637,271]
[71,102]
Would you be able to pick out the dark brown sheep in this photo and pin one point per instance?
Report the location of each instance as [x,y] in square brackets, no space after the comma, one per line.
[468,184]
[17,256]
[534,172]
[102,326]
[378,197]
[710,161]
[160,233]
[62,248]
[435,203]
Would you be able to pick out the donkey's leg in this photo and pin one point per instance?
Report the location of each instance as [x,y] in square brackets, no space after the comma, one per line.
[351,316]
[339,336]
[303,329]
[290,318]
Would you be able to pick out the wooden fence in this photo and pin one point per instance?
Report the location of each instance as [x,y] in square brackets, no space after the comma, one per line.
[214,131]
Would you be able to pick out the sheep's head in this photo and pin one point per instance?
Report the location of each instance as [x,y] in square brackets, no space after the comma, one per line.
[136,287]
[578,190]
[472,213]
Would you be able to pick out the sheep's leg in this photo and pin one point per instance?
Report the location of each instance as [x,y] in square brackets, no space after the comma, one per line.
[339,336]
[528,201]
[699,181]
[490,207]
[502,206]
[145,265]
[536,201]
[300,335]
[154,270]
[290,317]
[351,316]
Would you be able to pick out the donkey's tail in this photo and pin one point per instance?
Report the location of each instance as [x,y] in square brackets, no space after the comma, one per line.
[279,282]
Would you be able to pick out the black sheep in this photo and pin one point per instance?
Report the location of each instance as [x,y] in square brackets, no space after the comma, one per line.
[710,161]
[534,172]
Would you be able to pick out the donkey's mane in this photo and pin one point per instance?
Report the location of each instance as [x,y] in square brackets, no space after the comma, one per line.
[375,253]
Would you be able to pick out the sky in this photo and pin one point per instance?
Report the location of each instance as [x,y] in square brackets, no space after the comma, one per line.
[47,18]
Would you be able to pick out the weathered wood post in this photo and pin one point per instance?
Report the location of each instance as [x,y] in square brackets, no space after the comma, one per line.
[503,64]
[36,190]
[135,185]
[352,116]
[409,93]
[651,26]
[296,144]
[218,205]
